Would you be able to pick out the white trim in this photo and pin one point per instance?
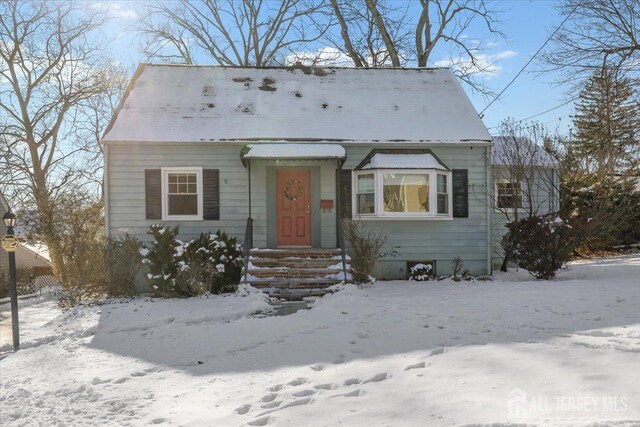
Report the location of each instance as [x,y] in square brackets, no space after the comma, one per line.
[164,188]
[523,190]
[379,212]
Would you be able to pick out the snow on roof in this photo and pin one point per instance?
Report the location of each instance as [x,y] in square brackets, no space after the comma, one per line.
[294,151]
[40,249]
[520,150]
[212,103]
[403,161]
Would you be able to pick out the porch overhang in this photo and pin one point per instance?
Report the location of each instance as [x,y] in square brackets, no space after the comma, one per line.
[292,152]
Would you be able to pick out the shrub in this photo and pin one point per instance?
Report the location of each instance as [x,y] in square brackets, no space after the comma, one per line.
[206,264]
[162,259]
[365,246]
[541,244]
[421,272]
[456,269]
[229,261]
[122,264]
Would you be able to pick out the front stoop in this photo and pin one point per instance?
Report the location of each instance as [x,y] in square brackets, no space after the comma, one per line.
[307,271]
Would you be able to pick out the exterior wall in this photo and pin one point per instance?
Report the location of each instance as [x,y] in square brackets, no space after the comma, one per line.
[436,240]
[126,192]
[546,199]
[415,240]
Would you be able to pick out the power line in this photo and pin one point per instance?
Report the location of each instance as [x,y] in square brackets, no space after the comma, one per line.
[544,112]
[531,59]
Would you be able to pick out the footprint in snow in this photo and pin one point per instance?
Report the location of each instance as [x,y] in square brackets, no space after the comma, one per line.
[339,359]
[297,382]
[437,351]
[158,420]
[304,393]
[269,397]
[354,393]
[377,378]
[262,421]
[275,387]
[318,367]
[418,365]
[272,405]
[298,402]
[327,386]
[243,409]
[352,381]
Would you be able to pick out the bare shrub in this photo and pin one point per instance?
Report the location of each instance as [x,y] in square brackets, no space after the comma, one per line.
[365,246]
[122,263]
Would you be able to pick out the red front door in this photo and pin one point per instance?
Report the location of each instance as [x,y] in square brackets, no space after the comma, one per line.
[293,212]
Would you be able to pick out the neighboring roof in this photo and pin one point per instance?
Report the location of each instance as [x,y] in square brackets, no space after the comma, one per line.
[39,249]
[210,103]
[294,151]
[505,149]
[401,159]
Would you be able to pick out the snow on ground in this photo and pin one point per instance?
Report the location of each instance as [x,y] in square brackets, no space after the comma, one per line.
[513,350]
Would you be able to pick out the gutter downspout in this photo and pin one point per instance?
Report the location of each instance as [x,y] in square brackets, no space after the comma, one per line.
[489,210]
[105,191]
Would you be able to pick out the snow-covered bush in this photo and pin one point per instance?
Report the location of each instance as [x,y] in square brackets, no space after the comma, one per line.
[364,249]
[421,272]
[543,246]
[206,264]
[162,257]
[123,261]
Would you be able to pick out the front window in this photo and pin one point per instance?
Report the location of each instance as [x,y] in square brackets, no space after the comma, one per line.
[409,194]
[405,192]
[182,193]
[366,194]
[508,195]
[443,195]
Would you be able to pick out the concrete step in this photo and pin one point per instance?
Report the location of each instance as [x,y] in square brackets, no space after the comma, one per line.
[318,263]
[294,272]
[293,283]
[304,253]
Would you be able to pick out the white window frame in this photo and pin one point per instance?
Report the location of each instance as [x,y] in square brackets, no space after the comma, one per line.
[165,190]
[380,213]
[523,191]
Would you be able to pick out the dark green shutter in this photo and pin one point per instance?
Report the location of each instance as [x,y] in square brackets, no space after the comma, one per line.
[211,192]
[345,193]
[460,180]
[153,193]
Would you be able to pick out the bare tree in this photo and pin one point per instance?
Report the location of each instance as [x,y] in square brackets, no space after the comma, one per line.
[378,27]
[231,32]
[525,178]
[51,70]
[597,33]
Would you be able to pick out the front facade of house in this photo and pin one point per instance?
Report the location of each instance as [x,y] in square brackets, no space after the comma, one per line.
[297,149]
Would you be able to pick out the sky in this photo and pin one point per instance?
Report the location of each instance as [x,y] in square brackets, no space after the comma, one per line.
[525,23]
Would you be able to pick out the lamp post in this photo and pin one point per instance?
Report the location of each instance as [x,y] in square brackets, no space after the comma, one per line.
[10,244]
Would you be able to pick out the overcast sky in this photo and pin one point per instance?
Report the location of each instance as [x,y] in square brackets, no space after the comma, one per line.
[526,24]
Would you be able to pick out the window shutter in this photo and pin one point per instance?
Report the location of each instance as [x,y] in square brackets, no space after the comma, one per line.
[153,193]
[211,193]
[460,178]
[345,193]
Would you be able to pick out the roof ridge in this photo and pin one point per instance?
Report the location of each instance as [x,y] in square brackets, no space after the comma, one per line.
[292,67]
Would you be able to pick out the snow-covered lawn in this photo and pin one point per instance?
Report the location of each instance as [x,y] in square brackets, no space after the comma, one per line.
[513,350]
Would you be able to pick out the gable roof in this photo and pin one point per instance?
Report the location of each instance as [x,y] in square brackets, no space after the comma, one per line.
[213,103]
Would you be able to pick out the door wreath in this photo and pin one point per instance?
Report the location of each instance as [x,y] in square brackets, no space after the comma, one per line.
[293,190]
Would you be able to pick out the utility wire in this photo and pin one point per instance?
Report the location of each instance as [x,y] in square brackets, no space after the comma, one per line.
[545,111]
[531,59]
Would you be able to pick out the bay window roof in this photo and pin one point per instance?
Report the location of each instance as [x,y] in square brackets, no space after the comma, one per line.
[401,159]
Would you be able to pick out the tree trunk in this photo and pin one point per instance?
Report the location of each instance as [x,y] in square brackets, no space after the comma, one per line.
[344,32]
[386,38]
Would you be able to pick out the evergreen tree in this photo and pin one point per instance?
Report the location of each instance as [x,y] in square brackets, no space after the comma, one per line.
[607,124]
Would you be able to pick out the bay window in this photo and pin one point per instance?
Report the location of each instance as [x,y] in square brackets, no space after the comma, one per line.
[407,193]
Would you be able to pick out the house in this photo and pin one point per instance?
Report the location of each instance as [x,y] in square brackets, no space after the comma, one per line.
[296,149]
[29,255]
[526,182]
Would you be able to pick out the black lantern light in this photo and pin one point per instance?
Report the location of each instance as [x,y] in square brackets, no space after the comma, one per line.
[9,219]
